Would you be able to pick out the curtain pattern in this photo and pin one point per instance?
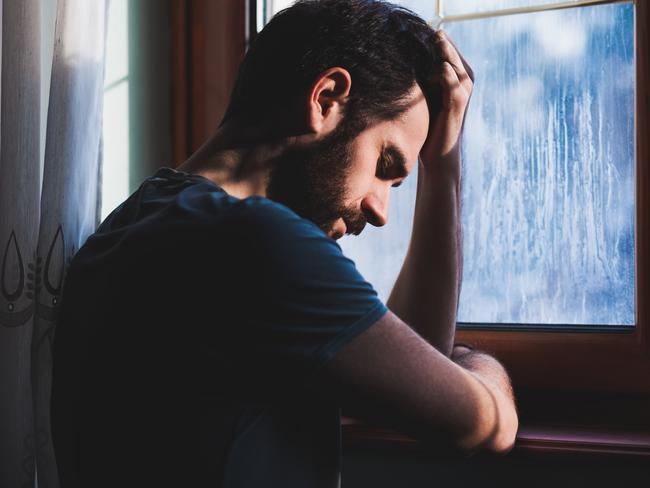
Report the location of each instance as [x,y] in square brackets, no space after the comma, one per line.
[48,206]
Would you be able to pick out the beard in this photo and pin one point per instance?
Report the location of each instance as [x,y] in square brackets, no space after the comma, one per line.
[311,181]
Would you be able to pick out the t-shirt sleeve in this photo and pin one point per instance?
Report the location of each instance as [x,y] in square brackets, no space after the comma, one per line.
[307,300]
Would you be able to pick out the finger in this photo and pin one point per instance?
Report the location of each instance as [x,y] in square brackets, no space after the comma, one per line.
[451,86]
[446,76]
[448,52]
[468,68]
[449,75]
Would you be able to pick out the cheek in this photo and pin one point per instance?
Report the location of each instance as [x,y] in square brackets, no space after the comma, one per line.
[360,180]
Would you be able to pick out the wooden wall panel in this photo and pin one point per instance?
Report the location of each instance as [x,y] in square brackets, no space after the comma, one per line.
[208,43]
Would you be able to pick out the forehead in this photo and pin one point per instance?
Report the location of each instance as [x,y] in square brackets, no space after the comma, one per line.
[408,131]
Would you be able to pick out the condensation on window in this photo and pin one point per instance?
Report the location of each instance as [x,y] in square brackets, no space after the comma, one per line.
[424,8]
[427,9]
[548,177]
[460,7]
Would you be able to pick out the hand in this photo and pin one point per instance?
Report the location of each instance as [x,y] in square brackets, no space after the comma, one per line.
[455,80]
[459,351]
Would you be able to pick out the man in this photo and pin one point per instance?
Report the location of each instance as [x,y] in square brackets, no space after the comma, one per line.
[212,329]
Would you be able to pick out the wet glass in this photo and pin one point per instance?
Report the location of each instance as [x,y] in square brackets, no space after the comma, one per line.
[548,177]
[460,7]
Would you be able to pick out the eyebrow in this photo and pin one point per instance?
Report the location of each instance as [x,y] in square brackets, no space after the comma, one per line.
[398,161]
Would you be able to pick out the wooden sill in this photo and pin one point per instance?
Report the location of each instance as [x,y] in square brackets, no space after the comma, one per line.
[531,440]
[583,440]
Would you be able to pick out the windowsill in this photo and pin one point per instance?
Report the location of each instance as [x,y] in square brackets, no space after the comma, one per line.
[531,440]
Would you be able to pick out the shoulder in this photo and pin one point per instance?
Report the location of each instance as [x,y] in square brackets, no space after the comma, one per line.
[204,203]
[278,225]
[266,212]
[282,243]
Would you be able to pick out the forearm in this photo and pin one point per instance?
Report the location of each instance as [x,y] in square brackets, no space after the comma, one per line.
[426,292]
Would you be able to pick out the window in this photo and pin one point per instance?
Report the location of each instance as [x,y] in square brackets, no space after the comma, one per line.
[115,172]
[549,175]
[554,190]
[548,207]
[137,97]
[548,181]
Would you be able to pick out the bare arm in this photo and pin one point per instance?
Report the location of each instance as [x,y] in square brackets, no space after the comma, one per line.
[391,375]
[402,375]
[426,292]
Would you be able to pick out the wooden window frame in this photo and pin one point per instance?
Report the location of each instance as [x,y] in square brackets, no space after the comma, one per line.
[602,361]
[603,375]
[583,394]
[209,40]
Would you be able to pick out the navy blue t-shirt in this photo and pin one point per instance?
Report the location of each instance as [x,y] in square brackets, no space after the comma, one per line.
[192,324]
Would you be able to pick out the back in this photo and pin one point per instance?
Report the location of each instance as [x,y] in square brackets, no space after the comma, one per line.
[191,326]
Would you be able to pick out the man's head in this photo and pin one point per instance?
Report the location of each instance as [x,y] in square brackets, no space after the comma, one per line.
[349,82]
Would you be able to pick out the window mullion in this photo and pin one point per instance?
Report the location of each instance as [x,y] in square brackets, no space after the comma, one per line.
[521,10]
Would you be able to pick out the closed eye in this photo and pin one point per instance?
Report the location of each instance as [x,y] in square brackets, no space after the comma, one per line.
[391,165]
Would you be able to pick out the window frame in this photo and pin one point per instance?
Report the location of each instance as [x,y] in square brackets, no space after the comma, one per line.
[594,360]
[599,379]
[208,42]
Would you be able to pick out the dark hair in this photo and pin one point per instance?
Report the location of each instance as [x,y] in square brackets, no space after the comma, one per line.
[386,49]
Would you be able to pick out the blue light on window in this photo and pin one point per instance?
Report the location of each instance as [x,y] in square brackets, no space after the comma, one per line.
[548,180]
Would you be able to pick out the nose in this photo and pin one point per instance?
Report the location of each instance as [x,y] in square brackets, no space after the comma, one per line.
[375,208]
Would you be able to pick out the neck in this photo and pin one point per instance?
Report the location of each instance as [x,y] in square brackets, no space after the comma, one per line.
[239,161]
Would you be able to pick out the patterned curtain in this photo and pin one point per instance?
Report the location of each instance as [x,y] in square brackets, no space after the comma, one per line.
[49,204]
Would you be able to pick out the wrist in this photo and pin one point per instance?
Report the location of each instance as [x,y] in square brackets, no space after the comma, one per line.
[445,168]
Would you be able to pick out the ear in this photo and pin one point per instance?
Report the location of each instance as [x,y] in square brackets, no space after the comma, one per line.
[327,98]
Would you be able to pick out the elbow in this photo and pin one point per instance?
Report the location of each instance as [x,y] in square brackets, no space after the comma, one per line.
[504,439]
[504,424]
[494,429]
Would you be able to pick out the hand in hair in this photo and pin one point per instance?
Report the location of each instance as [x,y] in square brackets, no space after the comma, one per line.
[426,292]
[456,80]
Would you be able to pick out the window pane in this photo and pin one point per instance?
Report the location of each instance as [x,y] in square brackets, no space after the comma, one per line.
[548,202]
[549,175]
[424,8]
[457,7]
[115,169]
[379,251]
[117,40]
[274,6]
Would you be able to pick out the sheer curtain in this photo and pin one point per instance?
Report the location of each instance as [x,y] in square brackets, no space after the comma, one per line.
[50,170]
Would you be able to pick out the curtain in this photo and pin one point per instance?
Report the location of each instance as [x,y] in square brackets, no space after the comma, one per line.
[49,204]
